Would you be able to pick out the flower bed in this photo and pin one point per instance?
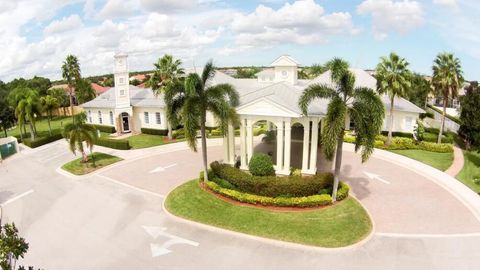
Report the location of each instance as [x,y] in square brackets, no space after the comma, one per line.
[290,191]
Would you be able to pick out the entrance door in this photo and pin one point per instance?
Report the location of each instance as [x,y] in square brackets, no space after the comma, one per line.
[125,123]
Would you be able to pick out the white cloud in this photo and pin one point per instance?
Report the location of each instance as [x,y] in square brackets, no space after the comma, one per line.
[66,24]
[446,3]
[392,16]
[118,9]
[302,22]
[165,6]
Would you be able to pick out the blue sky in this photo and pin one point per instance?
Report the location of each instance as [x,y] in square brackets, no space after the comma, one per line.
[38,34]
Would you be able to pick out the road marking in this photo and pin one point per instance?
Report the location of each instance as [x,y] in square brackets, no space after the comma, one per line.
[162,169]
[162,249]
[17,197]
[413,235]
[130,186]
[377,177]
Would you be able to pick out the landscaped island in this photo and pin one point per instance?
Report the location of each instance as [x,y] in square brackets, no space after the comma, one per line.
[96,161]
[293,208]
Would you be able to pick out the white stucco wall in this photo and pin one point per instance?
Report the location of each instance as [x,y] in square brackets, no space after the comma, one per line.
[95,119]
[139,118]
[400,120]
[287,74]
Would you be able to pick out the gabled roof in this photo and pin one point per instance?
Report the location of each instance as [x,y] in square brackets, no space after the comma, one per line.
[139,97]
[284,61]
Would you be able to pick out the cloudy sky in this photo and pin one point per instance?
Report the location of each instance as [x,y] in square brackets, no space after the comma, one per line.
[36,35]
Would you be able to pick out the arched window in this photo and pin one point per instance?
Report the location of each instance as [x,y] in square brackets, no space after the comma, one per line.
[90,116]
[111,118]
[100,120]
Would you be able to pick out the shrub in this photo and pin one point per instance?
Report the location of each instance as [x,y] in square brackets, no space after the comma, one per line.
[259,130]
[398,134]
[216,133]
[306,201]
[342,191]
[261,165]
[270,136]
[115,144]
[154,131]
[42,140]
[436,147]
[178,134]
[272,186]
[104,128]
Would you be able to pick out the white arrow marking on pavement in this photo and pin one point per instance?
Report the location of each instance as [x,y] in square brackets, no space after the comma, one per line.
[377,177]
[162,169]
[154,231]
[16,197]
[162,249]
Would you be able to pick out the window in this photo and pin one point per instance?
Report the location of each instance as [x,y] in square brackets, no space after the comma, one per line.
[122,92]
[100,121]
[90,116]
[158,120]
[284,73]
[408,123]
[122,80]
[145,116]
[111,118]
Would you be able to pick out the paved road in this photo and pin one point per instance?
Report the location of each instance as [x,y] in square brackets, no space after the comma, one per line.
[98,222]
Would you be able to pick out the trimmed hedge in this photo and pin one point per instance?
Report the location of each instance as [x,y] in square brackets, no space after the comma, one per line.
[115,144]
[398,134]
[261,165]
[104,128]
[42,140]
[272,186]
[154,131]
[178,134]
[400,143]
[306,201]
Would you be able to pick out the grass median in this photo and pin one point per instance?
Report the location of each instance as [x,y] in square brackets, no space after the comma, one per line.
[441,161]
[342,224]
[80,168]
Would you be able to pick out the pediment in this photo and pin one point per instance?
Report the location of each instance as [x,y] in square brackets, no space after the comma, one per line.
[265,107]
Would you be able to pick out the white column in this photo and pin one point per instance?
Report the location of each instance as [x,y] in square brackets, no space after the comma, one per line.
[249,139]
[306,144]
[288,143]
[231,144]
[279,166]
[226,156]
[314,147]
[243,145]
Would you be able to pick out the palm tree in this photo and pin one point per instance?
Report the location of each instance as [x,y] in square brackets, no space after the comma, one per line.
[316,69]
[61,97]
[71,74]
[77,132]
[362,104]
[84,91]
[190,100]
[447,79]
[27,108]
[49,103]
[167,71]
[393,79]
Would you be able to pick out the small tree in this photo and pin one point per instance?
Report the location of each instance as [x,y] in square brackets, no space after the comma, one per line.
[84,91]
[71,74]
[12,246]
[79,132]
[469,116]
[61,97]
[49,103]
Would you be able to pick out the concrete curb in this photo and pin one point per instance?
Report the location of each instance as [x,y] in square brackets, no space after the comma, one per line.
[278,243]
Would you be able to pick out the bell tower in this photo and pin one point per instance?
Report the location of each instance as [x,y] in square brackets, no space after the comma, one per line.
[121,81]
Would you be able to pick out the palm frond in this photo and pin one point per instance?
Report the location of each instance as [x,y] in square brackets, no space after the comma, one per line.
[208,72]
[224,91]
[313,92]
[334,125]
[191,116]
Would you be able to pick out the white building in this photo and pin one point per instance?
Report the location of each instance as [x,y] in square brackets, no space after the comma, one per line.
[272,96]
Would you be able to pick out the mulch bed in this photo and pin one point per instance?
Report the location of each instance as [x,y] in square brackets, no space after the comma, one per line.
[261,206]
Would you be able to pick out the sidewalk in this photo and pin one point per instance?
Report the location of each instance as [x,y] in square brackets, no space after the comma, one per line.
[458,162]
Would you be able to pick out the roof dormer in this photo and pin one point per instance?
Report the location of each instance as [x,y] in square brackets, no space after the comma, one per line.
[286,69]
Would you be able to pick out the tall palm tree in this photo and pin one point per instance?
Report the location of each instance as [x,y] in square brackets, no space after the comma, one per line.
[61,97]
[27,108]
[167,71]
[393,79]
[190,100]
[49,103]
[71,74]
[447,79]
[362,104]
[77,132]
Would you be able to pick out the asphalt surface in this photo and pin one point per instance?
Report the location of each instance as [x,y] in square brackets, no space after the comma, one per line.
[114,219]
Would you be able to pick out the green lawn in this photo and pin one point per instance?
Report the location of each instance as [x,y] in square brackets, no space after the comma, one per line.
[441,161]
[101,160]
[145,140]
[339,225]
[471,170]
[42,126]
